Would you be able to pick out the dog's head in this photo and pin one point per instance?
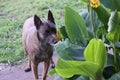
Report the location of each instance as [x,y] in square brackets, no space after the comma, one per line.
[46,30]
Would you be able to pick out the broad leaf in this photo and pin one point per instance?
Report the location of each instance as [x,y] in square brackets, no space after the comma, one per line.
[68,51]
[110,60]
[113,27]
[117,45]
[84,14]
[115,76]
[96,52]
[111,4]
[109,68]
[83,78]
[69,68]
[103,14]
[57,77]
[63,32]
[52,72]
[75,26]
[113,21]
[92,22]
[108,72]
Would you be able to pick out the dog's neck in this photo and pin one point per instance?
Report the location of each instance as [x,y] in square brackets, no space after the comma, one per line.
[41,40]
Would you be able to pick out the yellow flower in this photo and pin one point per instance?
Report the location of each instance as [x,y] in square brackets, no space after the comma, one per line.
[63,40]
[94,3]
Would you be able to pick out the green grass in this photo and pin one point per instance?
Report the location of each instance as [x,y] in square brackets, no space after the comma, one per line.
[13,14]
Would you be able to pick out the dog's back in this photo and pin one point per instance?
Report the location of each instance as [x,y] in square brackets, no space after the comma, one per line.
[29,37]
[28,25]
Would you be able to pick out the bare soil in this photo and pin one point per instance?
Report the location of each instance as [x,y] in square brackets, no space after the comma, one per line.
[17,72]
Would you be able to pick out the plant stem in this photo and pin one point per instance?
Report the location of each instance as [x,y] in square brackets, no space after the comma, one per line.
[91,19]
[115,56]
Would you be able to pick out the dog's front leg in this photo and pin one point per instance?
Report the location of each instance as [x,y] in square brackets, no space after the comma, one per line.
[46,66]
[34,67]
[29,66]
[53,64]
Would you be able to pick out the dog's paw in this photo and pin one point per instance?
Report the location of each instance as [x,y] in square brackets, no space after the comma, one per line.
[27,70]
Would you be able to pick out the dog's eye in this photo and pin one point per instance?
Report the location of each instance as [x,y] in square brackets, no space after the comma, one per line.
[53,30]
[47,31]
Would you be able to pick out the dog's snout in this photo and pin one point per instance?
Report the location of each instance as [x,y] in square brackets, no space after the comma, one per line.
[56,36]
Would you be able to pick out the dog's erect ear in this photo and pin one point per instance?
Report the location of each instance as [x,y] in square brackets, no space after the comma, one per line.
[50,17]
[37,22]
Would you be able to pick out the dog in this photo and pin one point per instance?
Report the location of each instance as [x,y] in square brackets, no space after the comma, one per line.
[38,38]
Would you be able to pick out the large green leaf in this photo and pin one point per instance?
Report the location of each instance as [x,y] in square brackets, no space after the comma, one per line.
[115,76]
[110,60]
[75,77]
[117,45]
[108,72]
[96,52]
[52,72]
[113,21]
[111,4]
[103,14]
[109,68]
[83,78]
[92,22]
[69,68]
[114,27]
[63,32]
[57,77]
[75,26]
[68,51]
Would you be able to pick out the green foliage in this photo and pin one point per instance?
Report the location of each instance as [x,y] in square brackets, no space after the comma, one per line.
[82,78]
[70,68]
[96,52]
[93,23]
[68,51]
[102,25]
[92,67]
[110,60]
[111,4]
[103,14]
[115,76]
[75,26]
[63,32]
[114,27]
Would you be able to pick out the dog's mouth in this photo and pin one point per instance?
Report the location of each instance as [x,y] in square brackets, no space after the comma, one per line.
[56,36]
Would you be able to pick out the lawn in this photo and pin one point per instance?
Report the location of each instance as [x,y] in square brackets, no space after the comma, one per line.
[13,14]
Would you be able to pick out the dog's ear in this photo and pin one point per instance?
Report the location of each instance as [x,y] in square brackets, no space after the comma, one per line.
[37,22]
[50,17]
